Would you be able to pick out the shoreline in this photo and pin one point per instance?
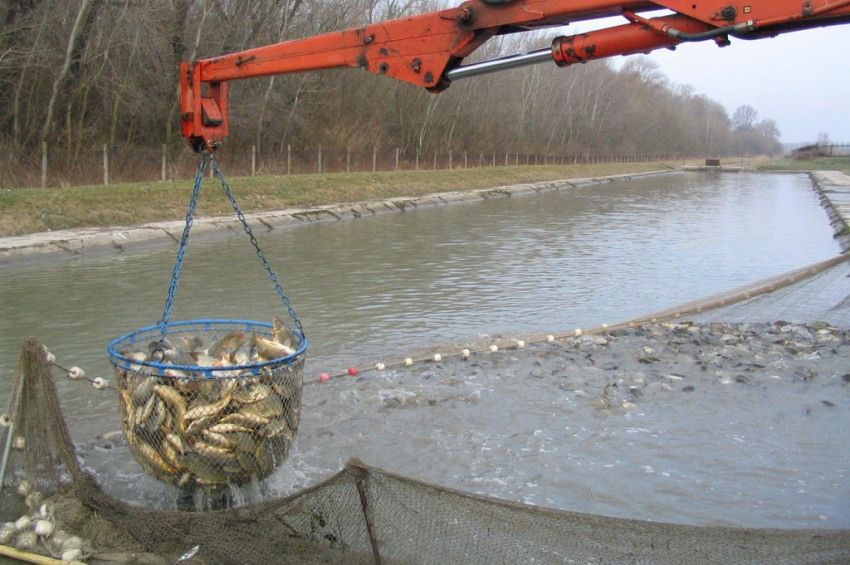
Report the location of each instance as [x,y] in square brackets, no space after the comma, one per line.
[33,248]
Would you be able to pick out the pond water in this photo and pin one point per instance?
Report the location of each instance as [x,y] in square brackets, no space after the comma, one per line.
[366,289]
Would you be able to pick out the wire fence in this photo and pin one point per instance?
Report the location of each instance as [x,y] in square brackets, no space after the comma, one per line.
[95,165]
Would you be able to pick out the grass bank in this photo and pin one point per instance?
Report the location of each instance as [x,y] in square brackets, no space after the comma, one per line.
[835,163]
[32,210]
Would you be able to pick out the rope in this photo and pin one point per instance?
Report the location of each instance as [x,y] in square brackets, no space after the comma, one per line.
[184,243]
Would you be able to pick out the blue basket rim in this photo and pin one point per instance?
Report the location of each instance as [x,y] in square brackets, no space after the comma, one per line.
[122,361]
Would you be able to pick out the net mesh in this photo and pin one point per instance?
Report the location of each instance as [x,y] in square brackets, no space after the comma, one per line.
[229,421]
[360,515]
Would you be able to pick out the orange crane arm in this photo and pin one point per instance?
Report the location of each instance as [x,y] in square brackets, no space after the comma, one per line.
[427,50]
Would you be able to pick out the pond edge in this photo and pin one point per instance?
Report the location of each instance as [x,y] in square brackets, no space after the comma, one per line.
[33,248]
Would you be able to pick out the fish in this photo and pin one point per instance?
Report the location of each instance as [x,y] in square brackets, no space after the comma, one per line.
[144,390]
[171,456]
[293,417]
[153,459]
[135,355]
[185,479]
[281,333]
[221,428]
[168,420]
[190,343]
[126,400]
[224,360]
[172,398]
[200,424]
[176,442]
[185,386]
[147,410]
[182,357]
[265,460]
[158,416]
[278,427]
[244,442]
[248,462]
[250,393]
[204,472]
[196,429]
[269,407]
[217,439]
[207,409]
[213,453]
[246,420]
[228,344]
[268,349]
[204,359]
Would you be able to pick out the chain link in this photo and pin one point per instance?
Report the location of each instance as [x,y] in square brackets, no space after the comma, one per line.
[266,265]
[184,243]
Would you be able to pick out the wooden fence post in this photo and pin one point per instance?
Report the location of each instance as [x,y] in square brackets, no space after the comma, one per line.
[396,158]
[164,162]
[416,164]
[450,160]
[288,159]
[43,164]
[465,160]
[319,164]
[348,159]
[105,165]
[253,160]
[374,158]
[435,160]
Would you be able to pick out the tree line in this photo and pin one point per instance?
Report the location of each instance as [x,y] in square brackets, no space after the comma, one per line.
[82,73]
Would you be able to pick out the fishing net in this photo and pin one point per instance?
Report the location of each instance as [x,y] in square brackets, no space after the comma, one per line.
[229,422]
[360,515]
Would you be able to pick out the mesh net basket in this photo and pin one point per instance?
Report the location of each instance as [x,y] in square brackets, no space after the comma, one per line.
[210,403]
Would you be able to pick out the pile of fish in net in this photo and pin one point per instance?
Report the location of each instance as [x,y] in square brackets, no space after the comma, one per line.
[211,403]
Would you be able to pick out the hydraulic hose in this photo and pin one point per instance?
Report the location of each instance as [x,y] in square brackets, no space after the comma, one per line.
[734,29]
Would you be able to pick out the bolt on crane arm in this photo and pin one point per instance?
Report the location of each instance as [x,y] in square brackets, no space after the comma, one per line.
[427,50]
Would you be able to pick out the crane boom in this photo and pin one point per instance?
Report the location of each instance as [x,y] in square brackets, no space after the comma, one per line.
[428,50]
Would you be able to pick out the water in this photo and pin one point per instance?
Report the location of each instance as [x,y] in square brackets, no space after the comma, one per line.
[398,282]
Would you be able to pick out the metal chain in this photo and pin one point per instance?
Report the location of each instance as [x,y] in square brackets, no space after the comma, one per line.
[184,242]
[266,265]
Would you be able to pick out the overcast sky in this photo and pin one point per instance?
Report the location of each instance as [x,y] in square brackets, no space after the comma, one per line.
[801,79]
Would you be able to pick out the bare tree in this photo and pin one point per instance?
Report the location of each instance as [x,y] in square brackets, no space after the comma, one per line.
[76,42]
[744,118]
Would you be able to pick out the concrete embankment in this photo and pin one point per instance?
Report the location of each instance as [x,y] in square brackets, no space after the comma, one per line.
[834,190]
[50,245]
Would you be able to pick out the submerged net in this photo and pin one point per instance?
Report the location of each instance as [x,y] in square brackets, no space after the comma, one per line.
[360,515]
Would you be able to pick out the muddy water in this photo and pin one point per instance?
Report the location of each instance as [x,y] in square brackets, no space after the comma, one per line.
[402,281]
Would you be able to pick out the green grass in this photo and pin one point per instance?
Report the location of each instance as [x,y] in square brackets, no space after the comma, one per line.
[31,210]
[837,163]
